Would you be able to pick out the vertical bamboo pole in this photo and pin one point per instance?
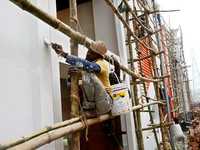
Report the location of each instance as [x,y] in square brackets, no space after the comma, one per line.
[74,79]
[156,85]
[145,91]
[144,85]
[165,86]
[140,139]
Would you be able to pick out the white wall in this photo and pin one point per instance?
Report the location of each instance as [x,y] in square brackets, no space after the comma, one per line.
[29,79]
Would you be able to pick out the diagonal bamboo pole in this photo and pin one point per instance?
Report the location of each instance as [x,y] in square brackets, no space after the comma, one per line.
[125,24]
[43,130]
[65,29]
[47,137]
[136,18]
[75,142]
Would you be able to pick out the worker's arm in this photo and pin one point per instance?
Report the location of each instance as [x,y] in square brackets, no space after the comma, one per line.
[76,61]
[117,66]
[82,64]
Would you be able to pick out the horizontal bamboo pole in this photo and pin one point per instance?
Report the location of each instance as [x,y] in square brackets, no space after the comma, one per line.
[65,29]
[160,52]
[138,59]
[149,97]
[157,126]
[52,135]
[147,111]
[165,76]
[43,130]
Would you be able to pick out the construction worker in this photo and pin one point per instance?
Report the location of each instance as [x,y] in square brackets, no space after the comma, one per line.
[178,134]
[97,93]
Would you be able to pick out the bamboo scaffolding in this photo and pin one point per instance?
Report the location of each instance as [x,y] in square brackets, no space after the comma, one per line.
[139,126]
[43,130]
[165,84]
[144,85]
[156,86]
[109,59]
[81,39]
[65,29]
[75,143]
[157,126]
[72,126]
[125,24]
[136,18]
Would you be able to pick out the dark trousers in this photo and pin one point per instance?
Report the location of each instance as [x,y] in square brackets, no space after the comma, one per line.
[107,129]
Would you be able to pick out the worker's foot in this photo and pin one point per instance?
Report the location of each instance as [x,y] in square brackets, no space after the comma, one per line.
[120,148]
[89,112]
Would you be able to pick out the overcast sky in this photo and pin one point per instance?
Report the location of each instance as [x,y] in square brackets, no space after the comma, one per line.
[189,22]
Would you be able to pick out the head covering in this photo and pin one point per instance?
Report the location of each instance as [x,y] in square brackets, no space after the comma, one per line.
[98,47]
[176,120]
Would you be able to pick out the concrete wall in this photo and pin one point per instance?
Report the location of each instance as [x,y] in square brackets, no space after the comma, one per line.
[28,75]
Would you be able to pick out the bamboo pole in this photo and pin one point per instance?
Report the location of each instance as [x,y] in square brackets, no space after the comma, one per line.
[165,85]
[48,137]
[43,130]
[126,25]
[156,85]
[139,126]
[65,29]
[136,76]
[75,142]
[157,126]
[145,8]
[136,18]
[145,92]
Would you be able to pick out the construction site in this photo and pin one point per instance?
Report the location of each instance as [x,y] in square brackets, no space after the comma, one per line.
[38,109]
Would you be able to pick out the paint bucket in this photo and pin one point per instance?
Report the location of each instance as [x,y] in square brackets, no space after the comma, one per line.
[121,100]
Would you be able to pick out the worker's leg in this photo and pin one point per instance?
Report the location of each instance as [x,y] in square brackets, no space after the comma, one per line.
[107,129]
[175,141]
[184,143]
[177,145]
[95,95]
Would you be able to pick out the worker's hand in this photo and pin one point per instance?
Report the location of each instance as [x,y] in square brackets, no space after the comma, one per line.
[58,48]
[115,60]
[72,71]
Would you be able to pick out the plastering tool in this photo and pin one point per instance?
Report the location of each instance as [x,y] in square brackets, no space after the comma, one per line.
[47,41]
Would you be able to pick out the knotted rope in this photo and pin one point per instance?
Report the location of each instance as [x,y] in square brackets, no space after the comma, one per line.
[82,116]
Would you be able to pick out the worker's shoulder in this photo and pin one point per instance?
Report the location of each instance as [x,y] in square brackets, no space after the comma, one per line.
[101,62]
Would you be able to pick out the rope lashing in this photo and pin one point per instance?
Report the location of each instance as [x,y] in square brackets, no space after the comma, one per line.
[82,116]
